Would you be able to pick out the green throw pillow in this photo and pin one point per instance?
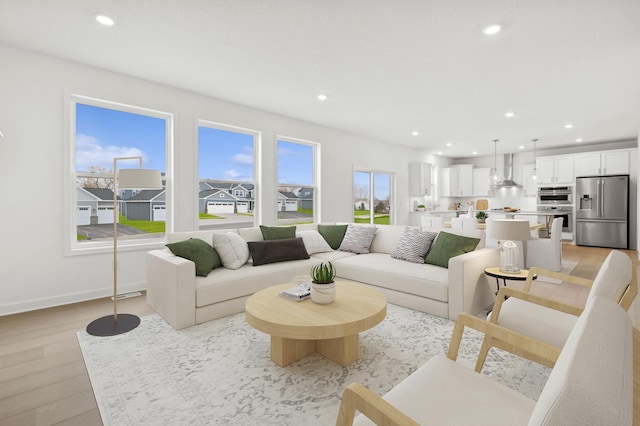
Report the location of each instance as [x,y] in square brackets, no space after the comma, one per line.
[333,234]
[277,232]
[447,246]
[199,252]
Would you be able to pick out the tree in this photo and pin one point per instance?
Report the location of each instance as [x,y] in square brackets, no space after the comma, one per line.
[99,181]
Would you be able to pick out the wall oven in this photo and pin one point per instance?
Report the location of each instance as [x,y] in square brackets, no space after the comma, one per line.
[549,195]
[565,212]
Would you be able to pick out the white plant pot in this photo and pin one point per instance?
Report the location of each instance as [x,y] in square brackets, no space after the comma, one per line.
[323,293]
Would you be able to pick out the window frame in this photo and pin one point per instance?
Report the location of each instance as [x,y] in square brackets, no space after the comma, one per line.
[257,161]
[316,147]
[392,193]
[71,245]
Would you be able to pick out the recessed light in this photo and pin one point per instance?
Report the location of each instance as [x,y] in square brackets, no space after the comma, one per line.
[322,97]
[509,114]
[105,20]
[492,29]
[568,126]
[521,147]
[449,144]
[475,152]
[439,152]
[579,140]
[414,133]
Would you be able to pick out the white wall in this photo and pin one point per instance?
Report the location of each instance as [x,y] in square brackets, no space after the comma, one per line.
[34,270]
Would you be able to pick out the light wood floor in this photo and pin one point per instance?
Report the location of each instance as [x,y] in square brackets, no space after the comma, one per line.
[43,379]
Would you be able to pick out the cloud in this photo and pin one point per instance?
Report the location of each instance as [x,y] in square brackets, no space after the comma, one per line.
[89,152]
[243,159]
[233,174]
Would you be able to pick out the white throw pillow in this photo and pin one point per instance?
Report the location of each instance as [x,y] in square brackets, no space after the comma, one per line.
[413,245]
[358,239]
[232,249]
[314,242]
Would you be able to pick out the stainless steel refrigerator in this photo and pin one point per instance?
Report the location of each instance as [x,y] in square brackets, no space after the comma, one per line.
[602,211]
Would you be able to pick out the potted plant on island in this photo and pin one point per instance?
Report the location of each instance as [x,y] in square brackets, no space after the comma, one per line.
[420,208]
[323,286]
[481,216]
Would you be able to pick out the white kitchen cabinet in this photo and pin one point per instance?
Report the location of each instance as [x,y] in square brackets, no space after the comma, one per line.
[456,181]
[529,187]
[481,186]
[556,169]
[419,179]
[614,162]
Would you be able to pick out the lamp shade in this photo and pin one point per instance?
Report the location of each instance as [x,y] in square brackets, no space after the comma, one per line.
[139,179]
[507,229]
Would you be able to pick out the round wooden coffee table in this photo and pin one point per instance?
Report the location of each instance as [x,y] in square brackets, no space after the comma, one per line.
[298,329]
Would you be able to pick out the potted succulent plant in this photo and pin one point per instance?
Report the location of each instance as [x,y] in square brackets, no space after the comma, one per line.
[481,216]
[323,286]
[420,208]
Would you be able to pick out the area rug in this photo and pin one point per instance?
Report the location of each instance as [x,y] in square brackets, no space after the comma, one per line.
[567,267]
[220,372]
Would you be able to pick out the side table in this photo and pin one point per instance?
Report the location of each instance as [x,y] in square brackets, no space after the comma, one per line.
[494,271]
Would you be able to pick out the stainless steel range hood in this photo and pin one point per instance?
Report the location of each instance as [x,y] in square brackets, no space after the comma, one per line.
[507,182]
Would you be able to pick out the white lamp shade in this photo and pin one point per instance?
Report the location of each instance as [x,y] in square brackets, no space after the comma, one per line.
[512,230]
[139,179]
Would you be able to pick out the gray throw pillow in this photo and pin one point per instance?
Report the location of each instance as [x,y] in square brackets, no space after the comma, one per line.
[358,239]
[413,245]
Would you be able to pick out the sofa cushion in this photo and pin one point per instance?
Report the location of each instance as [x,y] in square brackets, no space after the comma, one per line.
[277,232]
[199,252]
[314,242]
[449,245]
[272,251]
[233,250]
[333,234]
[413,245]
[358,239]
[613,277]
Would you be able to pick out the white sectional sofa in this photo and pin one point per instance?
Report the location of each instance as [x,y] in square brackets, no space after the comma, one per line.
[184,299]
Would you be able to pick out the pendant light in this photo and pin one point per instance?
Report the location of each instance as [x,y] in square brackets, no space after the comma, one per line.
[534,173]
[494,176]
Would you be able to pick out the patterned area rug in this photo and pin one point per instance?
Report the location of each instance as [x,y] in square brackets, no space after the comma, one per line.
[220,372]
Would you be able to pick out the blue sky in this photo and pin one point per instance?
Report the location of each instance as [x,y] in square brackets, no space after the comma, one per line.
[102,134]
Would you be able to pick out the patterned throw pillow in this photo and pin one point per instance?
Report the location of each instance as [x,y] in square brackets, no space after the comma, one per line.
[314,242]
[232,249]
[358,239]
[413,245]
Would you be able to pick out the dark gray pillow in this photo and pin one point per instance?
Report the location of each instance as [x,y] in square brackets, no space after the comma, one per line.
[272,251]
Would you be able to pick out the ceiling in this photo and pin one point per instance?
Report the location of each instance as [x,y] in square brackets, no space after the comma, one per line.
[388,67]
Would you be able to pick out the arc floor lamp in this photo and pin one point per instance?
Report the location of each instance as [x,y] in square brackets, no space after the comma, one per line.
[139,178]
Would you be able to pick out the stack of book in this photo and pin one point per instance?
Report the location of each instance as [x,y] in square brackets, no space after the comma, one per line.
[297,293]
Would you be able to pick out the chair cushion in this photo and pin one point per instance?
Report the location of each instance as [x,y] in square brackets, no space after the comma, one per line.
[592,381]
[613,277]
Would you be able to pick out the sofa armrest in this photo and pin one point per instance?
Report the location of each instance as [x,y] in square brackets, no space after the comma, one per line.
[357,397]
[171,288]
[468,290]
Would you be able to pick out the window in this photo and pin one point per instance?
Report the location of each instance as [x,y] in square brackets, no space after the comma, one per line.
[226,170]
[103,131]
[297,179]
[372,197]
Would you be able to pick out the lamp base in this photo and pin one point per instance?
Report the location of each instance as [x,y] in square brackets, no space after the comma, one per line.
[510,269]
[106,326]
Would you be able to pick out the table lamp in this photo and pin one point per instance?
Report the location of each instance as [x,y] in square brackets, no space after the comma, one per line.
[139,178]
[506,231]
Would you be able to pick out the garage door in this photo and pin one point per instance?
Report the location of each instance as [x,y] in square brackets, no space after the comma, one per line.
[159,213]
[220,208]
[105,214]
[84,215]
[243,207]
[292,206]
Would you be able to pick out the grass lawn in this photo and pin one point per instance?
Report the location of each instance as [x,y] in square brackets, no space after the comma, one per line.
[209,216]
[144,225]
[379,219]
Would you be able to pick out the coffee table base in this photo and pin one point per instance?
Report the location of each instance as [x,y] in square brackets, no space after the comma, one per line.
[341,350]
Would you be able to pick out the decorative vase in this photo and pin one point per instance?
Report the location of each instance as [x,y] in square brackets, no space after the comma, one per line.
[323,294]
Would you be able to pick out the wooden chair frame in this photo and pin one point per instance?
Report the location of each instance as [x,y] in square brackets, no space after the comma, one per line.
[358,398]
[505,292]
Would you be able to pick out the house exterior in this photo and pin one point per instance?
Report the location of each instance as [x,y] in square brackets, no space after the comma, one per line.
[225,197]
[94,206]
[148,204]
[287,201]
[305,198]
